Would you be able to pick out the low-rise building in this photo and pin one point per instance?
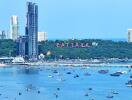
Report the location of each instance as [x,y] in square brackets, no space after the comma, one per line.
[42,36]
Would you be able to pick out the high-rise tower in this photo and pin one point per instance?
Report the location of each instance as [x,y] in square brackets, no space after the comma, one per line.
[14,27]
[32,30]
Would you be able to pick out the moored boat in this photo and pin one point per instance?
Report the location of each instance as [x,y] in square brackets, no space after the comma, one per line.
[103,71]
[130,76]
[129,83]
[115,74]
[87,74]
[110,96]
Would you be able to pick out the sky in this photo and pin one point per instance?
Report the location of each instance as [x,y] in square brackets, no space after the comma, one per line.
[64,19]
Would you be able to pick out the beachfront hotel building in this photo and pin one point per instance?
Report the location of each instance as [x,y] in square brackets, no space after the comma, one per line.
[14,27]
[42,36]
[32,30]
[129,35]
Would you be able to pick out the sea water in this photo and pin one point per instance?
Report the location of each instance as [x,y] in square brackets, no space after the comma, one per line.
[43,83]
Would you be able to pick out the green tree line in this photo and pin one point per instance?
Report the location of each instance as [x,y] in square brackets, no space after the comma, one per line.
[104,49]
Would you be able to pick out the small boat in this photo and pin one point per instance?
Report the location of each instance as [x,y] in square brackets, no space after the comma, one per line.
[110,96]
[129,83]
[90,89]
[76,76]
[61,80]
[50,76]
[56,95]
[86,94]
[130,76]
[130,66]
[87,74]
[103,71]
[68,73]
[55,71]
[116,74]
[122,72]
[115,92]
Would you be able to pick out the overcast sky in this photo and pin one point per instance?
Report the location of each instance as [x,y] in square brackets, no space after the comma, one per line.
[73,18]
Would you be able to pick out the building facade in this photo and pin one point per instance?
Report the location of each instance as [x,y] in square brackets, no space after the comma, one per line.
[32,30]
[129,35]
[14,28]
[42,36]
[22,46]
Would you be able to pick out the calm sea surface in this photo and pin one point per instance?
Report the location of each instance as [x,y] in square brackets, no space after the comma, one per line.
[54,83]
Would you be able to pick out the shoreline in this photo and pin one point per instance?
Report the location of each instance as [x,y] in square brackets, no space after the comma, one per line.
[55,64]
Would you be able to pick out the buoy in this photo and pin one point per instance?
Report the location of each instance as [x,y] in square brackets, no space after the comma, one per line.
[90,88]
[20,93]
[58,89]
[38,91]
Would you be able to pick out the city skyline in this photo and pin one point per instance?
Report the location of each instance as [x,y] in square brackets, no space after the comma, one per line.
[82,19]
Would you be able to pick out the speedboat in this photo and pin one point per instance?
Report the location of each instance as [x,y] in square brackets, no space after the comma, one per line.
[129,83]
[115,92]
[50,76]
[122,72]
[116,74]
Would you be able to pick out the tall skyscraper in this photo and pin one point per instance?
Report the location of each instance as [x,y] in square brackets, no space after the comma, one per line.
[129,35]
[14,27]
[32,30]
[42,36]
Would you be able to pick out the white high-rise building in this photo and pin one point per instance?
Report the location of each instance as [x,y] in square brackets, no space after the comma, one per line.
[129,35]
[14,27]
[42,36]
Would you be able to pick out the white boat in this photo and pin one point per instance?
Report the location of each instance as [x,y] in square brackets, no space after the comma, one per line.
[18,60]
[129,85]
[3,65]
[122,72]
[50,76]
